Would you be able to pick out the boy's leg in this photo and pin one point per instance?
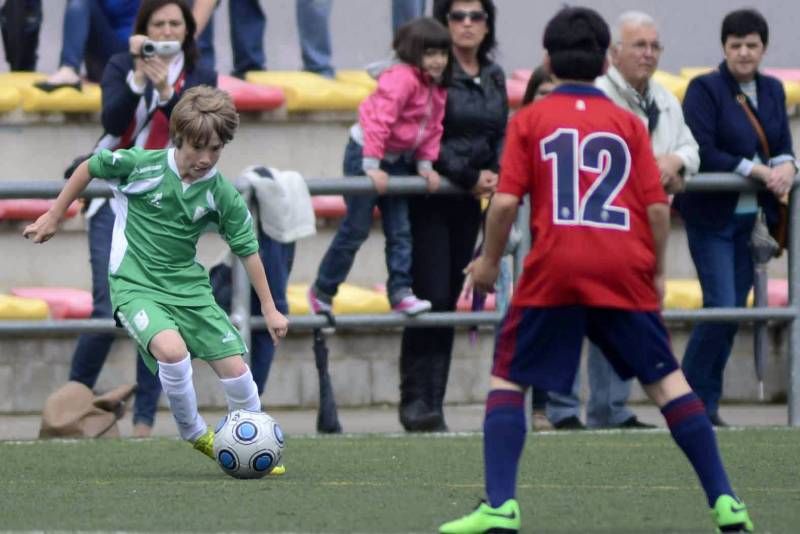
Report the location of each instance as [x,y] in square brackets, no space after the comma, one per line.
[237,381]
[691,429]
[175,373]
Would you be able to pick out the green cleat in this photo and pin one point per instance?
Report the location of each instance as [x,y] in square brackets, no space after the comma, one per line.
[730,515]
[277,471]
[205,444]
[504,518]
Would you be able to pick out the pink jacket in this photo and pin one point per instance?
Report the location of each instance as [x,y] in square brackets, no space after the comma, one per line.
[404,113]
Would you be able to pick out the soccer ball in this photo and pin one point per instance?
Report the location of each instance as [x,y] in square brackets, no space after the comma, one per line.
[248,444]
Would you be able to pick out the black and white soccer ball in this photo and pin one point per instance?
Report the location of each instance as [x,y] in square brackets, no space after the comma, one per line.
[248,444]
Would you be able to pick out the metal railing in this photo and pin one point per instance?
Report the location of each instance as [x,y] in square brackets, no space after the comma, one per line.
[416,185]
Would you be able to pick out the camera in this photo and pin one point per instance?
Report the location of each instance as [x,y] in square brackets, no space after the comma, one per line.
[160,48]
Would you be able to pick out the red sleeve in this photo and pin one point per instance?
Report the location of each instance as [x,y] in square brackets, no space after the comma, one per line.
[515,167]
[644,169]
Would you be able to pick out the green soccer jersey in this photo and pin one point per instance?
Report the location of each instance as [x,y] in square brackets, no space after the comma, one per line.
[159,221]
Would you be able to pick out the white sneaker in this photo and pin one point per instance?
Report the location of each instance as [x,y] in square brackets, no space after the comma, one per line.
[411,305]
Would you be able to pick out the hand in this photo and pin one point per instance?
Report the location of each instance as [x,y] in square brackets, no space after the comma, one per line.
[761,172]
[135,43]
[781,178]
[42,229]
[481,275]
[433,178]
[380,179]
[277,324]
[157,71]
[673,184]
[486,184]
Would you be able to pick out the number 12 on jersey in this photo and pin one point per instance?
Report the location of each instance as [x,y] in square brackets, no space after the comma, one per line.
[603,153]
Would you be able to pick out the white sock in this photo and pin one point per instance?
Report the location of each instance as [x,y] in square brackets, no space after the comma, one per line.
[242,393]
[176,380]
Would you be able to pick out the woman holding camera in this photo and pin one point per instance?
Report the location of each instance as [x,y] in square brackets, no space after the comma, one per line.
[140,89]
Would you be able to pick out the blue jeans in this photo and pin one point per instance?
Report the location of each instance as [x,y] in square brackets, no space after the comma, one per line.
[89,35]
[92,349]
[277,259]
[725,268]
[405,10]
[608,395]
[354,230]
[248,24]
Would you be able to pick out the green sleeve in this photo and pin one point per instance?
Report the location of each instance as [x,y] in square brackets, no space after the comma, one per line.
[235,221]
[115,166]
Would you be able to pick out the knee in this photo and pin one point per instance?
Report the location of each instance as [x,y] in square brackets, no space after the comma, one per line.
[168,347]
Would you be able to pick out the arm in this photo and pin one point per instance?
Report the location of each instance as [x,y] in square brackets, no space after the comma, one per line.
[658,216]
[46,225]
[119,100]
[379,113]
[501,215]
[202,11]
[277,324]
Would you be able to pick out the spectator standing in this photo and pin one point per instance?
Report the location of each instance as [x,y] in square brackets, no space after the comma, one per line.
[444,228]
[20,22]
[729,111]
[94,30]
[595,271]
[138,97]
[398,133]
[248,24]
[635,53]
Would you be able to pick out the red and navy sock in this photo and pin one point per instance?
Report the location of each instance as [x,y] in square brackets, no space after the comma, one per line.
[691,429]
[503,438]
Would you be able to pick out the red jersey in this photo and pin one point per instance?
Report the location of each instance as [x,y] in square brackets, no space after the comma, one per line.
[590,172]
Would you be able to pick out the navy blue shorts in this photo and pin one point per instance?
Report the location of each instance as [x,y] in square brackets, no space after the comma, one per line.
[541,347]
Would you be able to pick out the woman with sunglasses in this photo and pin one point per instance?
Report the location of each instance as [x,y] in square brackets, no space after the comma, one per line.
[444,227]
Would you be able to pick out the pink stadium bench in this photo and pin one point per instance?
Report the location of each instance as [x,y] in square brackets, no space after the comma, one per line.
[332,207]
[64,302]
[251,97]
[29,209]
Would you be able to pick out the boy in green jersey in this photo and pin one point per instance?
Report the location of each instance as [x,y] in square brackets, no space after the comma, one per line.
[159,291]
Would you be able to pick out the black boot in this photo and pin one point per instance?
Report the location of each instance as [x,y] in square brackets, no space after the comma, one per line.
[415,412]
[440,370]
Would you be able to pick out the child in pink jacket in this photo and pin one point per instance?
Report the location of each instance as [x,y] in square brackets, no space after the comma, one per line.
[398,133]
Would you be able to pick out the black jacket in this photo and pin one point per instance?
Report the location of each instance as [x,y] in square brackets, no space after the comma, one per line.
[474,125]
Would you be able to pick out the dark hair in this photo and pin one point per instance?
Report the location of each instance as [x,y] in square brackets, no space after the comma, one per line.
[442,7]
[146,10]
[540,75]
[744,22]
[576,39]
[418,35]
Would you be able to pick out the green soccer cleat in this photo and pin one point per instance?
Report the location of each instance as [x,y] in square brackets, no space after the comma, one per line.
[277,471]
[205,444]
[504,518]
[730,515]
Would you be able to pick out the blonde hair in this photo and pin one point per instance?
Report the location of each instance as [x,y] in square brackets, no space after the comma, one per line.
[200,112]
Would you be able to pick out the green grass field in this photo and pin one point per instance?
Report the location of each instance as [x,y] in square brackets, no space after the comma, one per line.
[569,482]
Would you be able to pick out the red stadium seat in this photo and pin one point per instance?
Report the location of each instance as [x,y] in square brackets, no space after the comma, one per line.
[29,209]
[64,302]
[516,90]
[251,97]
[332,207]
[777,293]
[522,74]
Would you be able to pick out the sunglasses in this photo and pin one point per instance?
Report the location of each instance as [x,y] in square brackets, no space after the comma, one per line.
[461,16]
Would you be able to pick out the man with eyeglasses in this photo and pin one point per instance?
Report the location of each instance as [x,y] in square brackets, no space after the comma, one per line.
[634,56]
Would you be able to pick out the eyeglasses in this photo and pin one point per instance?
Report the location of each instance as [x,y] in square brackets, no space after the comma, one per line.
[461,16]
[641,47]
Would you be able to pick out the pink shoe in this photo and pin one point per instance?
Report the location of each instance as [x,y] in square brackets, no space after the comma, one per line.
[316,304]
[411,305]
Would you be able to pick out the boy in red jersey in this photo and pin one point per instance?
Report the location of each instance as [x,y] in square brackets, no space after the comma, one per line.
[599,225]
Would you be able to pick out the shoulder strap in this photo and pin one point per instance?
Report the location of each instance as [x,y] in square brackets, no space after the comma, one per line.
[762,138]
